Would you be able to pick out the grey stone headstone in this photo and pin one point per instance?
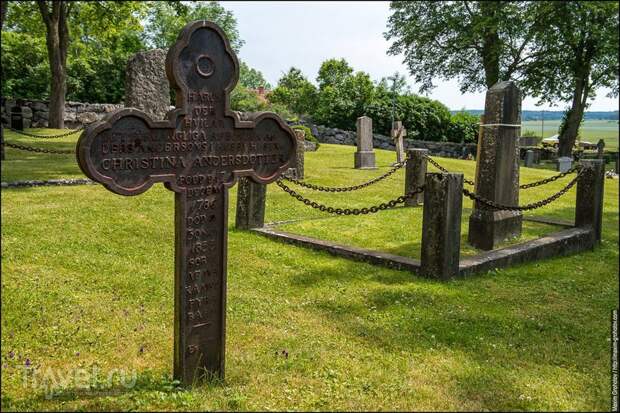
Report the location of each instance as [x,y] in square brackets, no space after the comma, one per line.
[529,158]
[146,83]
[564,163]
[497,168]
[365,156]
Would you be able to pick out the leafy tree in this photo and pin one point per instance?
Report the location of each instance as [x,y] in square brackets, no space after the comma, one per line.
[343,96]
[479,42]
[246,100]
[295,92]
[251,78]
[167,18]
[577,49]
[55,16]
[463,127]
[25,70]
[82,39]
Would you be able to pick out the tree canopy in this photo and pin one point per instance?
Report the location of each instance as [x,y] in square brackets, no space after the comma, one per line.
[560,52]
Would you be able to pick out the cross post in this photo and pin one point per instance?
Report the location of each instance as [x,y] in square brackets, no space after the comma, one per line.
[199,151]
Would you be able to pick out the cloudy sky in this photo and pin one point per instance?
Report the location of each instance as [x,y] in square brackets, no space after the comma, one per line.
[279,35]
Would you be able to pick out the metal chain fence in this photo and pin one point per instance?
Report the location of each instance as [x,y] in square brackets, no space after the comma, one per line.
[522,186]
[534,205]
[444,170]
[350,211]
[60,135]
[347,188]
[38,150]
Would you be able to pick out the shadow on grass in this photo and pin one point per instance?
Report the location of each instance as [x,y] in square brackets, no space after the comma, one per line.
[138,386]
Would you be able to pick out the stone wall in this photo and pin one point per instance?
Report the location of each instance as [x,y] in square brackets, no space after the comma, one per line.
[76,113]
[343,137]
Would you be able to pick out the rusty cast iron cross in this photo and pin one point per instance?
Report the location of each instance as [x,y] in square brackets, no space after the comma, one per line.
[198,152]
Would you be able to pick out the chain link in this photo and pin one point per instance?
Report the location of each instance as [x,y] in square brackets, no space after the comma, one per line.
[61,135]
[523,186]
[575,168]
[346,188]
[534,205]
[348,211]
[38,150]
[444,170]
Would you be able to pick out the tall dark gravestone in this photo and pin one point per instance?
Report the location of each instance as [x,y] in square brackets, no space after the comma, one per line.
[497,168]
[198,152]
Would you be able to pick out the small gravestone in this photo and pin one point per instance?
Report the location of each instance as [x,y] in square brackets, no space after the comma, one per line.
[21,115]
[146,84]
[564,163]
[497,168]
[198,152]
[529,158]
[364,156]
[398,134]
[600,149]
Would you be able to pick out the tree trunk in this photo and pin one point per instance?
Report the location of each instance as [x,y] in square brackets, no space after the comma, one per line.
[570,127]
[3,7]
[490,42]
[57,40]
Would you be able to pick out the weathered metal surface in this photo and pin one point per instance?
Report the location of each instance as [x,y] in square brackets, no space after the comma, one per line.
[198,152]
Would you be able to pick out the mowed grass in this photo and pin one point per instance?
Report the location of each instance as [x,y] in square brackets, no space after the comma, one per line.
[591,130]
[88,283]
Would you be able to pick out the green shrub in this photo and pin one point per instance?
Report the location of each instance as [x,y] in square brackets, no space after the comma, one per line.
[309,136]
[463,127]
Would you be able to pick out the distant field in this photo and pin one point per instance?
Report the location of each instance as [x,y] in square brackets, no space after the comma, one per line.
[591,130]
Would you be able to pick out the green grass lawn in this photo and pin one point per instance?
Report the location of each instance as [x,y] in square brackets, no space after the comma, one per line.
[88,283]
[591,130]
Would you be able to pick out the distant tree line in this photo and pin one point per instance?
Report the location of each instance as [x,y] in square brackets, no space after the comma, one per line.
[342,95]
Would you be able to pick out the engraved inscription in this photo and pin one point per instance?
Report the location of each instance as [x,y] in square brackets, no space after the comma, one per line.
[198,152]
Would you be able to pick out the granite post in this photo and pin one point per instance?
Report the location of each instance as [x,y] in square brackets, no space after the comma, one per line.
[146,83]
[564,163]
[364,156]
[415,172]
[441,225]
[590,191]
[497,168]
[251,197]
[529,158]
[398,134]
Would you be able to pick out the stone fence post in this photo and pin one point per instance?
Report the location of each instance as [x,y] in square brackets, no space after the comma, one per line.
[590,191]
[441,226]
[415,172]
[251,198]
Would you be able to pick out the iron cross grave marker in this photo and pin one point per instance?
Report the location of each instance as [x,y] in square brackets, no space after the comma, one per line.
[198,152]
